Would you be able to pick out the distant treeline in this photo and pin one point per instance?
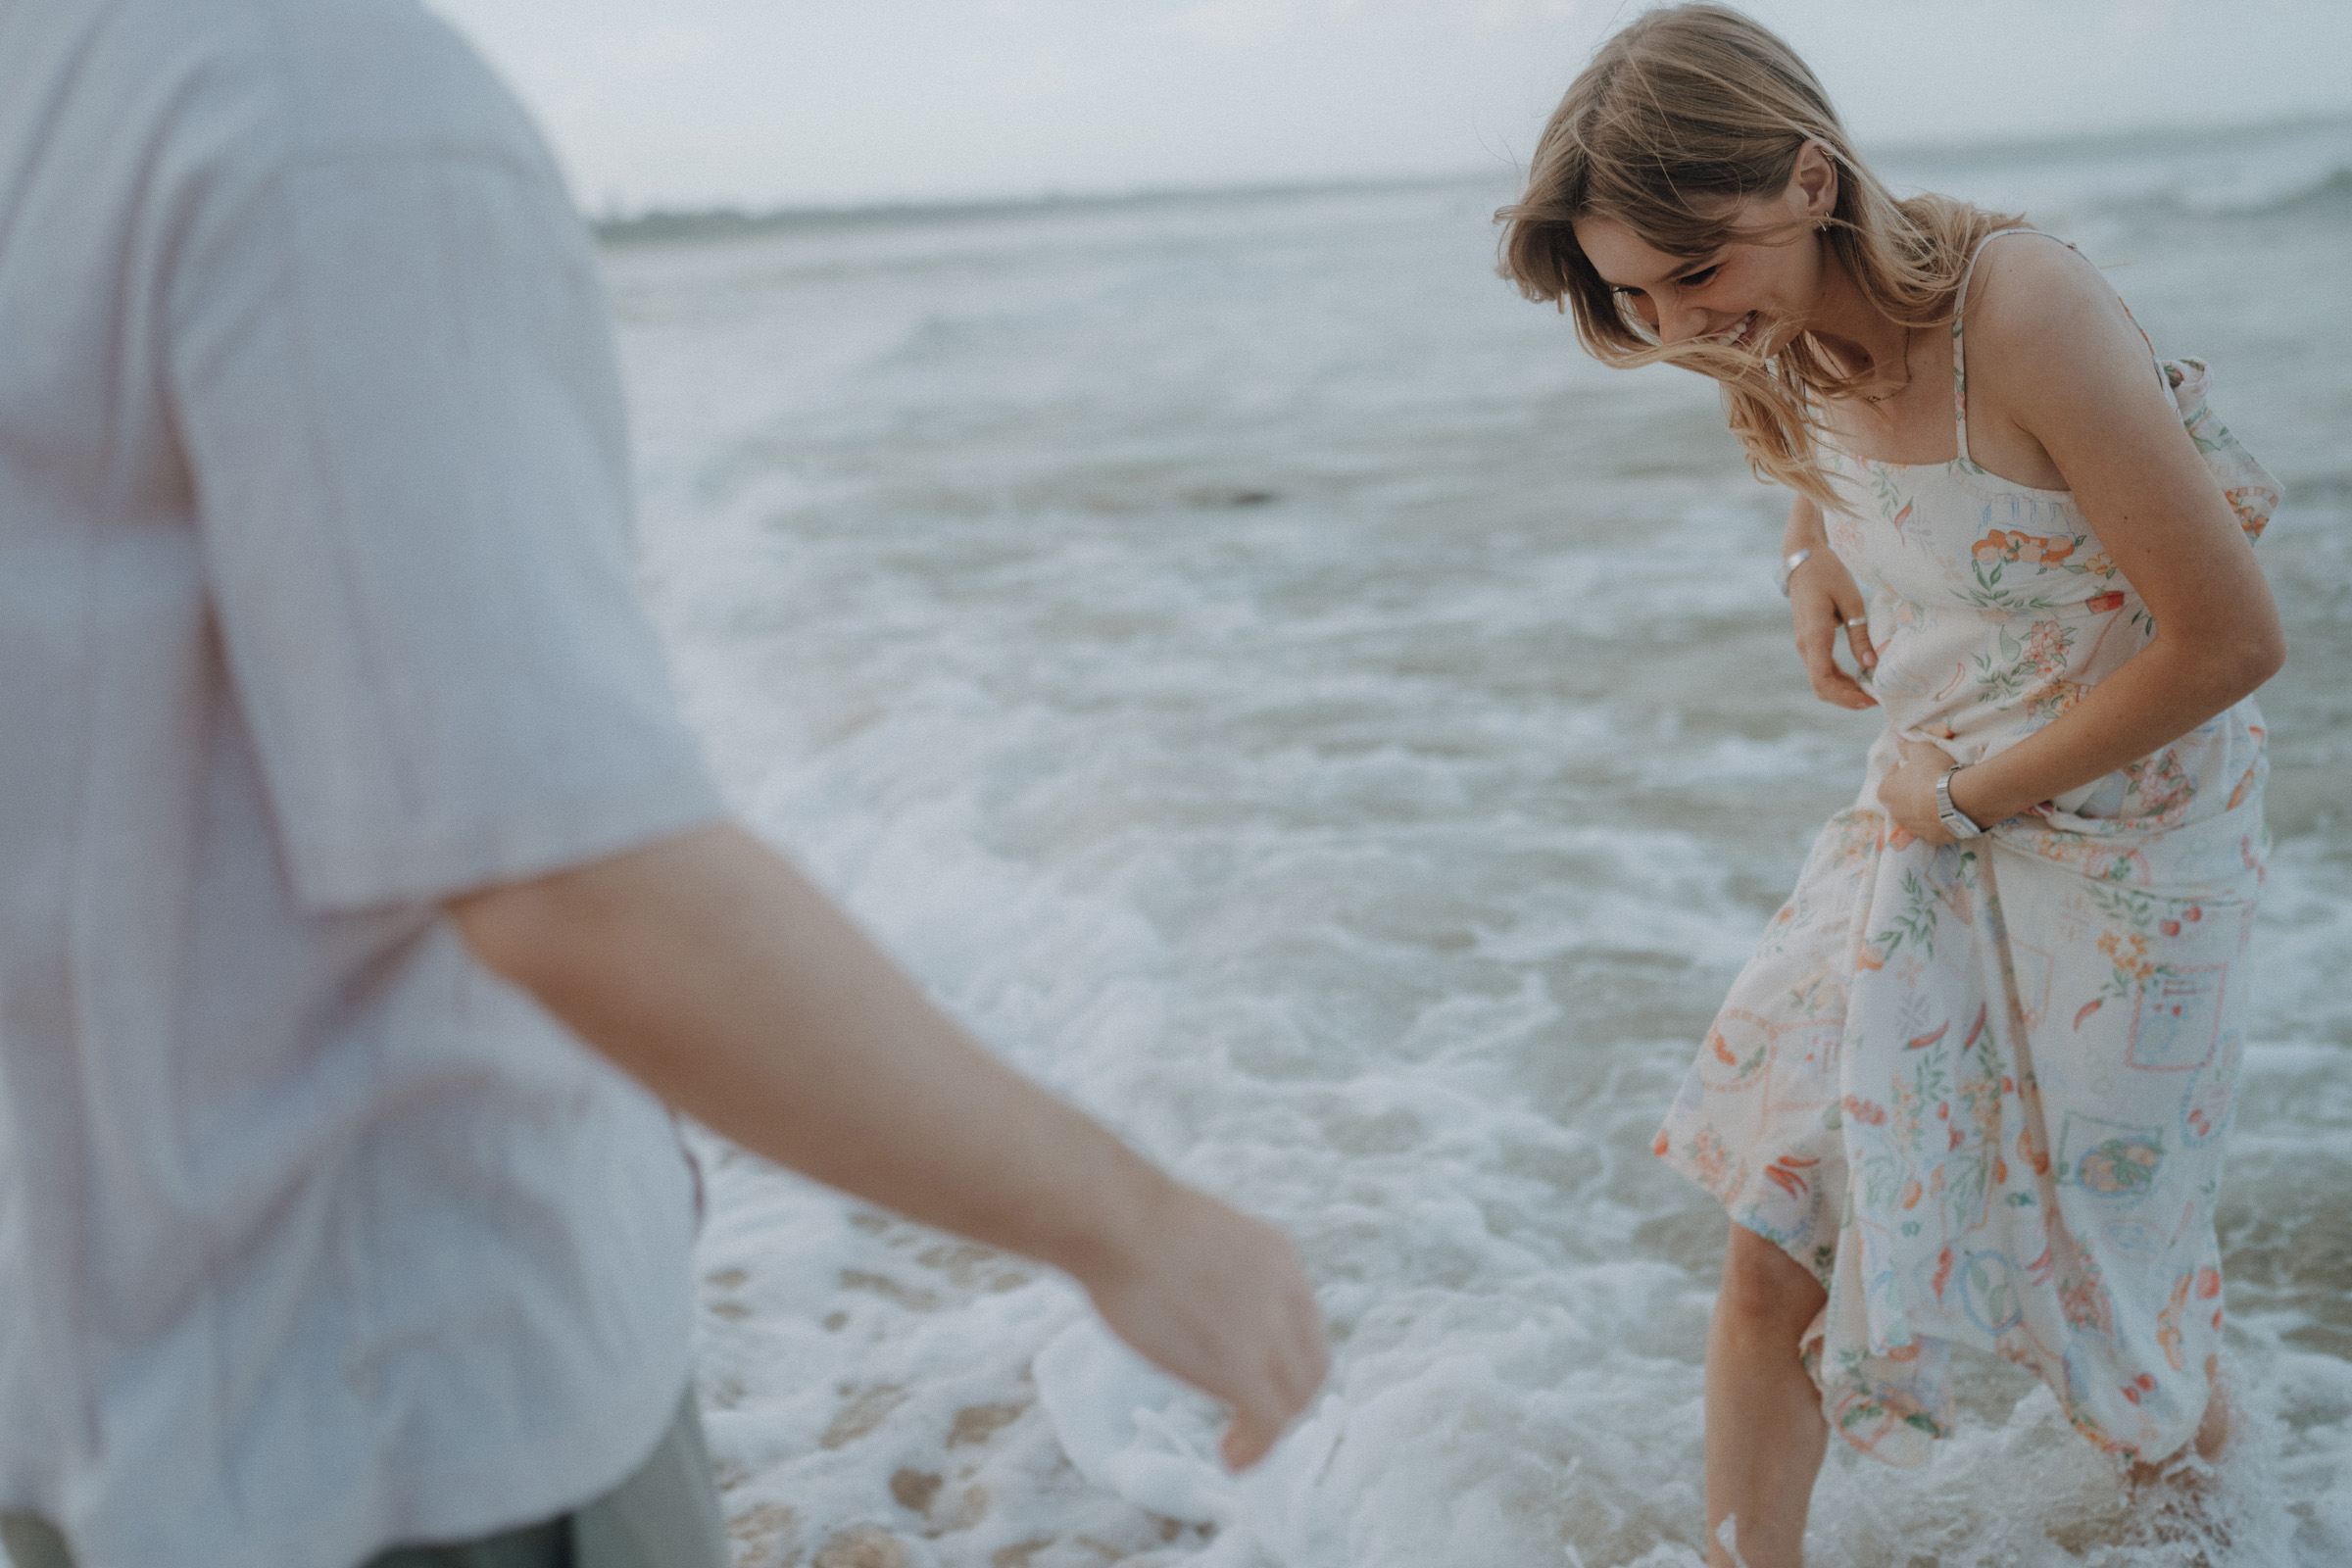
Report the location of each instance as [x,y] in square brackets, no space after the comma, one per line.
[662,224]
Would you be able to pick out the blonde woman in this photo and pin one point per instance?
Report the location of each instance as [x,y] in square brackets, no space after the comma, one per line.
[1972,1088]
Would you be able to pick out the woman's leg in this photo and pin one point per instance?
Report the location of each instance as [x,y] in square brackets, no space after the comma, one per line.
[2213,1435]
[1765,1435]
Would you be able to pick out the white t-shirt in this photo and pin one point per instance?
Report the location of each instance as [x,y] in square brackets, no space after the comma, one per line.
[315,607]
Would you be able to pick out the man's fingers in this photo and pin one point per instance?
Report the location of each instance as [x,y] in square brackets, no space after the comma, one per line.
[1249,1440]
[1294,1372]
[1222,1303]
[1311,1359]
[1261,1420]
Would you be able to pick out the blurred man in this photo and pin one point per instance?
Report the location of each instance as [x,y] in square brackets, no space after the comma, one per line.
[341,797]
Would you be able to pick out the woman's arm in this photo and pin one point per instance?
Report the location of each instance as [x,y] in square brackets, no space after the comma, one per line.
[2052,357]
[1821,596]
[713,973]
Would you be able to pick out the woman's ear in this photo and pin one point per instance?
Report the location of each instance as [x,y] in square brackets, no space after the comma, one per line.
[1814,180]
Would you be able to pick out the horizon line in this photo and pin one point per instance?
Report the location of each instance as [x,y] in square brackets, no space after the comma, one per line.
[660,222]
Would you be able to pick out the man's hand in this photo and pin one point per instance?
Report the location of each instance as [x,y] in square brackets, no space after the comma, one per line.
[1821,596]
[712,972]
[1219,1300]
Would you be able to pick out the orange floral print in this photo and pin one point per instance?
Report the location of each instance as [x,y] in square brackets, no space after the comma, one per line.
[2028,549]
[2253,504]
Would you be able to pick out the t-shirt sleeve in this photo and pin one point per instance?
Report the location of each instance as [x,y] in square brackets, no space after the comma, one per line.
[399,405]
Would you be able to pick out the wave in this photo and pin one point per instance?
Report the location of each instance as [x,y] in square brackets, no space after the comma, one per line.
[2299,167]
[2327,197]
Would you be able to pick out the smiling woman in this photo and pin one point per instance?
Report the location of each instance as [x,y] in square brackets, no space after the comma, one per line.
[1751,224]
[1972,1088]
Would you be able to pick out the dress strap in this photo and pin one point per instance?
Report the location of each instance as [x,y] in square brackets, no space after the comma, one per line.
[1959,349]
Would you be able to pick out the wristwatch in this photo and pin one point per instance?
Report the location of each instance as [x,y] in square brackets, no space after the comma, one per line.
[1955,821]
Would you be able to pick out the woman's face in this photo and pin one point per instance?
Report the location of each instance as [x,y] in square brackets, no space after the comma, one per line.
[1769,287]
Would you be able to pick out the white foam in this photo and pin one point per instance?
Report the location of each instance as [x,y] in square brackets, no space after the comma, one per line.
[1372,855]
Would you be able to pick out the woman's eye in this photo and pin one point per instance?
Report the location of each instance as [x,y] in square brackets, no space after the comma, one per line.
[1700,278]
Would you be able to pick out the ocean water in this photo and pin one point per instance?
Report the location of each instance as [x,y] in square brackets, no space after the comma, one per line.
[1252,668]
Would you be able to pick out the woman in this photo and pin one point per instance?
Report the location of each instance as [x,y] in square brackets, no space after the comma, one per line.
[1974,1086]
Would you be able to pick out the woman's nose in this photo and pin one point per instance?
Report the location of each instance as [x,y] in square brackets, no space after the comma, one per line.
[1679,322]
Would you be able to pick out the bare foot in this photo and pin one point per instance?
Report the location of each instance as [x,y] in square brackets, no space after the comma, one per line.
[2185,1468]
[2180,1498]
[2184,1508]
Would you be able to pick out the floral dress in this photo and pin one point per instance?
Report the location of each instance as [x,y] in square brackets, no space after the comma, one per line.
[1981,1091]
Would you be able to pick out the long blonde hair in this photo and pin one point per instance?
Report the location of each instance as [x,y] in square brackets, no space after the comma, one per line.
[1681,116]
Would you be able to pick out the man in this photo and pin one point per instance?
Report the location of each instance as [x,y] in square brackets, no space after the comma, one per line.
[342,798]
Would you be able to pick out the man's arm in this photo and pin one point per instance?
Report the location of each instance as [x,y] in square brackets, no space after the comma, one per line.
[709,969]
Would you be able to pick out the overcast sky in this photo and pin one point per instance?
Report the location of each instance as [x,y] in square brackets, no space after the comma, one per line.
[784,102]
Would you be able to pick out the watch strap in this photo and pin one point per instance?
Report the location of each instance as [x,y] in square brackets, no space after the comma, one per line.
[1958,824]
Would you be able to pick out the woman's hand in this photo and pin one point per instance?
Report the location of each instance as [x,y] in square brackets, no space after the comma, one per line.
[2055,364]
[1909,792]
[1821,596]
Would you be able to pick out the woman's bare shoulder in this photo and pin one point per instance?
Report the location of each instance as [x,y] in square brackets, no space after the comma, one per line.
[2046,335]
[2034,303]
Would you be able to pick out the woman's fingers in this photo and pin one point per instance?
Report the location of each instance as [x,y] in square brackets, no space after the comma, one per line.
[1821,596]
[1908,791]
[1857,638]
[1817,618]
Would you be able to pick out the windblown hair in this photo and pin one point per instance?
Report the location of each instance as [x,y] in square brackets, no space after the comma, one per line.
[1680,118]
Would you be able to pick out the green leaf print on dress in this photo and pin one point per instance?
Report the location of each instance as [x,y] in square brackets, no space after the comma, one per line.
[1913,922]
